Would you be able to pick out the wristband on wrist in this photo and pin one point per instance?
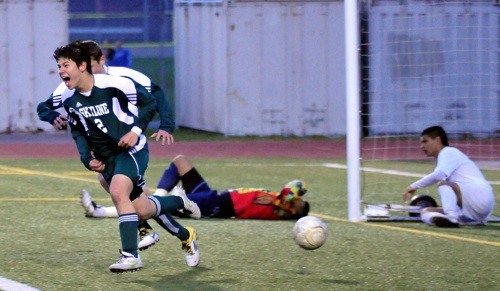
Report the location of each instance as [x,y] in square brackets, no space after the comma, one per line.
[136,130]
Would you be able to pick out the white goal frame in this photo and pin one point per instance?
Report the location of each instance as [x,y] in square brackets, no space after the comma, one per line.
[353,109]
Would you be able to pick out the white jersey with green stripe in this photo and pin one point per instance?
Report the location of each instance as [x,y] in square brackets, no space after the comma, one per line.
[108,112]
[130,73]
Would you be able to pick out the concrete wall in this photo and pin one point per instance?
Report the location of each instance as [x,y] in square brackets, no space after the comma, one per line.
[433,64]
[29,33]
[260,68]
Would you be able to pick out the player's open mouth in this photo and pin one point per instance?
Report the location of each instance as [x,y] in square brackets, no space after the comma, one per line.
[66,80]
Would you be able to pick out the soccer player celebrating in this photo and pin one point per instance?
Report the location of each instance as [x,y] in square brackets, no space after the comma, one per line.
[47,112]
[466,196]
[107,115]
[47,109]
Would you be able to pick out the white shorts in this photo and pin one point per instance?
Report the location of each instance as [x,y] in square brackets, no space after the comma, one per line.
[478,203]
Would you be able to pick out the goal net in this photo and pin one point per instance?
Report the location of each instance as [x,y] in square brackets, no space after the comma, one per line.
[426,63]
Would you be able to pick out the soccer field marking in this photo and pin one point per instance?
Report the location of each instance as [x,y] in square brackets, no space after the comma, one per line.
[388,172]
[80,173]
[327,217]
[415,231]
[50,199]
[9,285]
[341,166]
[443,235]
[21,171]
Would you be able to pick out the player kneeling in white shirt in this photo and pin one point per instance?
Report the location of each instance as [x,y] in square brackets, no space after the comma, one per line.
[466,197]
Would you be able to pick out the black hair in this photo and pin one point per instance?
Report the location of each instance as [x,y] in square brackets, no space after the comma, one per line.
[435,131]
[94,49]
[305,211]
[76,52]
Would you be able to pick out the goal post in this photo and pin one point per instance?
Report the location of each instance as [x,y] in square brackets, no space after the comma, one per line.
[352,107]
[410,65]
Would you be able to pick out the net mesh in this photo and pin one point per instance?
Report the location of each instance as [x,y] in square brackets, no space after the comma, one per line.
[427,63]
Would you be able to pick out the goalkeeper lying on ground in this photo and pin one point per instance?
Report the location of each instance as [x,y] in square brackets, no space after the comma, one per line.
[240,203]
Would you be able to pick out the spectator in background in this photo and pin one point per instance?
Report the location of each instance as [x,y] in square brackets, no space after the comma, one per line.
[121,57]
[110,54]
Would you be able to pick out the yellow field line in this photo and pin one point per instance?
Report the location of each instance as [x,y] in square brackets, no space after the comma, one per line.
[50,199]
[416,231]
[45,174]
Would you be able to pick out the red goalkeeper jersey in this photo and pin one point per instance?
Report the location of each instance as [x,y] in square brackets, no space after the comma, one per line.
[253,203]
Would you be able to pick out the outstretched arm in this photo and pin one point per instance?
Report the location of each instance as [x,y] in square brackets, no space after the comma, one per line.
[426,181]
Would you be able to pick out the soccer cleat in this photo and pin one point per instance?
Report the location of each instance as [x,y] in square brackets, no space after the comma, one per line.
[147,239]
[441,220]
[87,203]
[126,263]
[191,249]
[190,208]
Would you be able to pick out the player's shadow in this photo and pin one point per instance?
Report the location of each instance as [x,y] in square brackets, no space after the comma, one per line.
[340,282]
[305,273]
[192,279]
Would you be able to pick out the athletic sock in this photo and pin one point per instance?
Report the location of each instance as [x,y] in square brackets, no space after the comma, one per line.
[449,201]
[165,206]
[101,212]
[128,232]
[169,179]
[172,226]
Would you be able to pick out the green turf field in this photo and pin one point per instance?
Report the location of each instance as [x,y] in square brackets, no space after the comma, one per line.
[50,245]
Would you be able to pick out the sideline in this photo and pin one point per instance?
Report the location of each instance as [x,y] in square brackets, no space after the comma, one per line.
[10,285]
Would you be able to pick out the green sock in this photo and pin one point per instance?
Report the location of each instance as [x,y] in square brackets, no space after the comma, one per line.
[165,206]
[172,226]
[128,224]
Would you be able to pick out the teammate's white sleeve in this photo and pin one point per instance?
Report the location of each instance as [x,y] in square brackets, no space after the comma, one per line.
[429,180]
[102,212]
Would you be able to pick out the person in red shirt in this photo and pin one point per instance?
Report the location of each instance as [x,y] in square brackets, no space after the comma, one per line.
[240,203]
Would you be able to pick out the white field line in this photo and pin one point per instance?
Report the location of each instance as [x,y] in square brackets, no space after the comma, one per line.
[9,285]
[388,172]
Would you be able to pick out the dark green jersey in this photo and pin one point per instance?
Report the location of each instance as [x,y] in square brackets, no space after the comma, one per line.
[46,109]
[102,117]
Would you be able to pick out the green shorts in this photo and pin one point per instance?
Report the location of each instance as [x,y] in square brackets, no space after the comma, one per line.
[131,165]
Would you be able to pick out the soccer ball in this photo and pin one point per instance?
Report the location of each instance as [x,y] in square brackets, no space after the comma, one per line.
[309,232]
